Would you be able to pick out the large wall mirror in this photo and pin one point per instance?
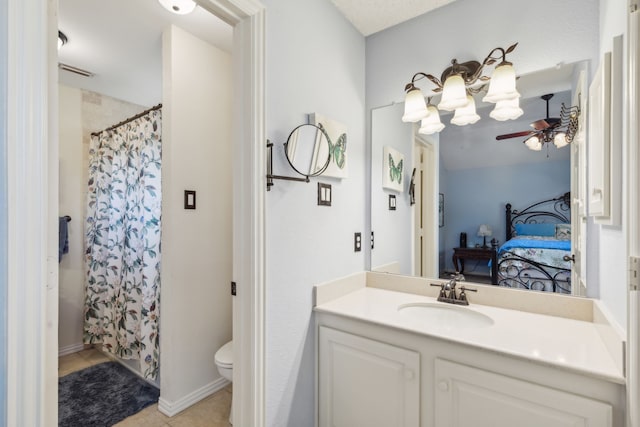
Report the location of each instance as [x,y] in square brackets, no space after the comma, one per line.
[464,178]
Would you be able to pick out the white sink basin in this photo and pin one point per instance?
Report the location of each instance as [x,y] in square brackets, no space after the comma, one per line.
[447,316]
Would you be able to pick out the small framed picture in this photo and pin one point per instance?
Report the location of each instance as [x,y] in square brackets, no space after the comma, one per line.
[392,169]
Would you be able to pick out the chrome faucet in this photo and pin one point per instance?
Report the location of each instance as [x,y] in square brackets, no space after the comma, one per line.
[448,291]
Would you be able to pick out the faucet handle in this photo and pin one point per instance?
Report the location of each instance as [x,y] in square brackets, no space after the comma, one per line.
[463,295]
[442,292]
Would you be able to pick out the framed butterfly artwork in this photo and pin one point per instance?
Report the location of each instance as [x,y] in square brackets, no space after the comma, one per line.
[393,169]
[337,136]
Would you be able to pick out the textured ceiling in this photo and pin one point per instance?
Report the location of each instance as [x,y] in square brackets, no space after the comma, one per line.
[371,16]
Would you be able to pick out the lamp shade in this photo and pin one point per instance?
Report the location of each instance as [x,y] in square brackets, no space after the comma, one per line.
[484,230]
[533,143]
[560,140]
[431,124]
[466,115]
[454,94]
[503,84]
[414,106]
[180,7]
[508,109]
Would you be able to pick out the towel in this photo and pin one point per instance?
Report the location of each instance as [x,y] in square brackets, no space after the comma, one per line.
[63,237]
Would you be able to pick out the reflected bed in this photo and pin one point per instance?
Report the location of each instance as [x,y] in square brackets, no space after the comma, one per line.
[537,253]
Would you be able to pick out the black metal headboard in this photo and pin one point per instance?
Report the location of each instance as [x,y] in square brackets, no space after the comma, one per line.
[556,210]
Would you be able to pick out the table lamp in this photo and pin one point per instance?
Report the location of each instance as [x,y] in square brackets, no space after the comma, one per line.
[483,232]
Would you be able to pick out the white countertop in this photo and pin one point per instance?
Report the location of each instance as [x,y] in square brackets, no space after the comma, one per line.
[567,343]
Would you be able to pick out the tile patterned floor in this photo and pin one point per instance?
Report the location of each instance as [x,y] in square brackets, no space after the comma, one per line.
[210,412]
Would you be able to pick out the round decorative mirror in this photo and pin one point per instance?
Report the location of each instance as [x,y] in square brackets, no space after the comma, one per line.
[307,150]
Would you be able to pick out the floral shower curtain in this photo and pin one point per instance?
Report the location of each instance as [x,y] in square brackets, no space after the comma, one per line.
[123,242]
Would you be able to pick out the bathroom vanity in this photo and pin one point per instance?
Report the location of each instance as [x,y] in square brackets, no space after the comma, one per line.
[390,354]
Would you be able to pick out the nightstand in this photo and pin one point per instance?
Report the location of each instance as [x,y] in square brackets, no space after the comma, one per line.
[489,254]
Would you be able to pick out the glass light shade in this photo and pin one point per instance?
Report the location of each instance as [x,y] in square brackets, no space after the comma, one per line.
[534,143]
[431,124]
[503,84]
[414,106]
[454,94]
[560,140]
[180,7]
[506,110]
[466,115]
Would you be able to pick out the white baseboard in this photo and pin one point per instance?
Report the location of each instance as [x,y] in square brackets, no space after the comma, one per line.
[173,408]
[70,349]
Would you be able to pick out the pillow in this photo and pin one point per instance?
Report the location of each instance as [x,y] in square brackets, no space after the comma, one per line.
[547,230]
[563,231]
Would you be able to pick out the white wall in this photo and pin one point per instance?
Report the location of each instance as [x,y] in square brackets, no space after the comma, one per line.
[612,241]
[195,319]
[80,113]
[315,63]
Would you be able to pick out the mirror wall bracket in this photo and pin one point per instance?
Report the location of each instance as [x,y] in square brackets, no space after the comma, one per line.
[271,176]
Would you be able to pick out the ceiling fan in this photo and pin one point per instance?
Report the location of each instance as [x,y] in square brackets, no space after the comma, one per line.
[544,130]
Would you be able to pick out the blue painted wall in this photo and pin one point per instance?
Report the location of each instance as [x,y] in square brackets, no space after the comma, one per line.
[479,196]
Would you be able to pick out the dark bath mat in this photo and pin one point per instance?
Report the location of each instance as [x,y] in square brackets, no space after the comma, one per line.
[102,395]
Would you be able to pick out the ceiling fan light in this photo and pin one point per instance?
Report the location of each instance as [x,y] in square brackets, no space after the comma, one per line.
[454,94]
[533,143]
[466,115]
[560,140]
[431,124]
[503,84]
[506,110]
[179,7]
[415,108]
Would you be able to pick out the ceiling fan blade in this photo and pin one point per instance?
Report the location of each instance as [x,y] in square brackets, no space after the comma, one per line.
[514,135]
[540,124]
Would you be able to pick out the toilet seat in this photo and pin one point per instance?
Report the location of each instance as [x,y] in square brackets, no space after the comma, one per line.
[224,356]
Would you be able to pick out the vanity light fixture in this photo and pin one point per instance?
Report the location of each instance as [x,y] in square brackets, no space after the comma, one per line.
[458,83]
[180,7]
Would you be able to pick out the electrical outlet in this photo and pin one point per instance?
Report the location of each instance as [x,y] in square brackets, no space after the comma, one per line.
[372,240]
[357,242]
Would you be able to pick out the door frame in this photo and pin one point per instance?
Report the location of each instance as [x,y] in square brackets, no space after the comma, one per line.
[29,85]
[430,250]
[633,213]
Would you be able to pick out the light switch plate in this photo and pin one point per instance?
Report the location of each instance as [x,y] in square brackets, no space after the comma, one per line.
[324,194]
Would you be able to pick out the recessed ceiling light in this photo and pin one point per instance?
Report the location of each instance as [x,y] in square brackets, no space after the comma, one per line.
[181,7]
[62,39]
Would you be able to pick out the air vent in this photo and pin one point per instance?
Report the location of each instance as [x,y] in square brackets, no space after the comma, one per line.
[76,70]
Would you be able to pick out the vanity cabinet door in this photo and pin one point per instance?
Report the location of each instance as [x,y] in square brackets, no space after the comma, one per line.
[471,397]
[366,383]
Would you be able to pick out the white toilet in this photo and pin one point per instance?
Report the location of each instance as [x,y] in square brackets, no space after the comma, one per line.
[224,362]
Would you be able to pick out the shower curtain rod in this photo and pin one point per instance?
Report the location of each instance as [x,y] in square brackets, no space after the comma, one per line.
[130,119]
